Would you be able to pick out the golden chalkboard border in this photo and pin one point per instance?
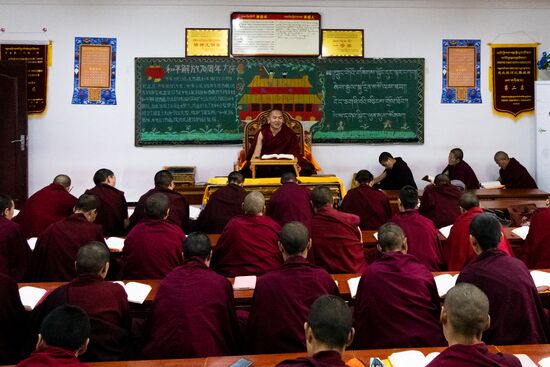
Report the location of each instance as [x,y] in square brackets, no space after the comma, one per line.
[220,35]
[329,49]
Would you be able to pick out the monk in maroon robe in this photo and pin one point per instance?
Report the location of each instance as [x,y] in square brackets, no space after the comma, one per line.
[457,169]
[397,304]
[517,315]
[422,236]
[64,336]
[370,204]
[248,244]
[113,214]
[224,204]
[193,313]
[337,244]
[55,253]
[13,319]
[153,248]
[457,250]
[535,251]
[15,252]
[290,202]
[328,332]
[179,209]
[440,201]
[282,297]
[46,206]
[396,174]
[512,174]
[465,316]
[106,303]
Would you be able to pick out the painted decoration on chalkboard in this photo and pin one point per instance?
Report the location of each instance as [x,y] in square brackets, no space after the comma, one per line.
[210,100]
[461,72]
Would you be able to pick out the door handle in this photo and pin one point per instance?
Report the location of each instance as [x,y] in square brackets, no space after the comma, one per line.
[542,130]
[22,141]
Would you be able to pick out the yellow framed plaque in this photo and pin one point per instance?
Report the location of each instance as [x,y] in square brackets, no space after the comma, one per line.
[206,42]
[342,43]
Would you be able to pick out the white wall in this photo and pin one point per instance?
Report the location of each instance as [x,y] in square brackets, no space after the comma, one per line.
[77,139]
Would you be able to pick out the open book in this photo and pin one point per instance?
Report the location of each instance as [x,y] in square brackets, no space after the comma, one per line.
[32,242]
[526,361]
[541,279]
[353,283]
[444,283]
[411,358]
[194,211]
[545,362]
[521,232]
[491,185]
[115,243]
[137,292]
[30,296]
[277,156]
[445,231]
[244,282]
[428,178]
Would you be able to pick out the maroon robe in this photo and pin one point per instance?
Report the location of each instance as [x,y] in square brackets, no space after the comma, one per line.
[535,251]
[460,355]
[397,305]
[398,176]
[179,209]
[515,176]
[458,251]
[370,204]
[463,172]
[192,315]
[15,252]
[422,238]
[106,303]
[45,207]
[52,357]
[281,303]
[224,204]
[247,246]
[291,202]
[113,211]
[440,204]
[336,242]
[55,253]
[330,358]
[152,249]
[13,319]
[517,315]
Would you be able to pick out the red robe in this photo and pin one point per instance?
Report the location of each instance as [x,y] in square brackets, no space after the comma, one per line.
[192,315]
[13,319]
[517,315]
[398,176]
[281,303]
[515,176]
[55,253]
[460,355]
[52,357]
[15,252]
[152,249]
[106,303]
[463,172]
[535,251]
[290,202]
[45,207]
[458,251]
[113,211]
[336,242]
[440,204]
[397,305]
[247,246]
[322,359]
[224,204]
[422,238]
[370,204]
[179,209]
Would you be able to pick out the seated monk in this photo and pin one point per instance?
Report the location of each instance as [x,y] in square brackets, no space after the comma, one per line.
[106,303]
[15,252]
[396,174]
[13,320]
[512,174]
[283,296]
[46,206]
[328,331]
[517,315]
[290,202]
[225,203]
[465,316]
[458,169]
[64,336]
[397,304]
[113,214]
[535,251]
[440,201]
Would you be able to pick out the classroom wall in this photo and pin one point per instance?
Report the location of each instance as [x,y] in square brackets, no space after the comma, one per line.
[78,139]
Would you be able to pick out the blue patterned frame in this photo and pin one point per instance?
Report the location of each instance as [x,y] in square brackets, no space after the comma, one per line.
[448,95]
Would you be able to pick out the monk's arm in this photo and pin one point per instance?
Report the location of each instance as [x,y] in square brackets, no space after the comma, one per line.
[378,178]
[258,148]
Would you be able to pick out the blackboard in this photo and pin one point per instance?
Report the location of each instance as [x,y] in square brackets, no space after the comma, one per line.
[209,100]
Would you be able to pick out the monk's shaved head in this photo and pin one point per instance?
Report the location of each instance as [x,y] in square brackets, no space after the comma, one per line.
[467,309]
[197,244]
[363,176]
[321,196]
[384,156]
[441,179]
[87,203]
[485,228]
[163,179]
[288,177]
[66,327]
[157,205]
[408,196]
[294,237]
[91,258]
[500,155]
[390,237]
[254,203]
[102,175]
[5,203]
[468,200]
[235,177]
[330,321]
[62,180]
[457,153]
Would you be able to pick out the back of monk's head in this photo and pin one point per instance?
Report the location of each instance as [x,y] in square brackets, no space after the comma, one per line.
[468,200]
[254,203]
[163,179]
[409,197]
[441,179]
[467,309]
[102,175]
[288,177]
[197,244]
[156,206]
[86,203]
[294,237]
[321,196]
[384,156]
[235,177]
[500,155]
[390,237]
[457,153]
[91,258]
[363,177]
[330,321]
[5,203]
[66,327]
[62,180]
[486,229]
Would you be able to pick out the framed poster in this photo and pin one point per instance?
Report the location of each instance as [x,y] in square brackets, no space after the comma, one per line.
[207,42]
[461,71]
[342,43]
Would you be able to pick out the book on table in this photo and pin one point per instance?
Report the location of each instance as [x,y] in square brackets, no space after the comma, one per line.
[444,283]
[277,156]
[137,292]
[30,296]
[491,185]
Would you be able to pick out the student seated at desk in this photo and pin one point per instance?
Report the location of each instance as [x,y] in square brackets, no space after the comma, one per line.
[458,169]
[13,319]
[15,252]
[512,174]
[440,201]
[290,202]
[396,174]
[535,251]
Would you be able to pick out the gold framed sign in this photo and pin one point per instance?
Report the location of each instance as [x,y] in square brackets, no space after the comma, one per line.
[206,42]
[342,43]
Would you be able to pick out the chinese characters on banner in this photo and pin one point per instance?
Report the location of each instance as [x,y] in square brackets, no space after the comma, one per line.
[461,71]
[514,74]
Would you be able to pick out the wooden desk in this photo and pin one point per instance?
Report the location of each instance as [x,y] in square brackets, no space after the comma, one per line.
[507,203]
[254,162]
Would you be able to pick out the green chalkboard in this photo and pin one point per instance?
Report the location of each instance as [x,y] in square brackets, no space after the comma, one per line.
[209,100]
